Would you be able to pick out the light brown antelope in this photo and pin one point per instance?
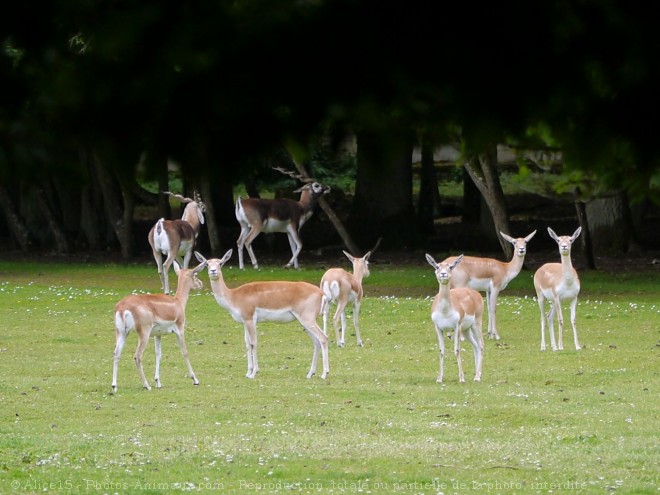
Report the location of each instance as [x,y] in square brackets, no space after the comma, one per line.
[274,301]
[342,287]
[558,282]
[459,310]
[157,315]
[257,215]
[176,238]
[490,275]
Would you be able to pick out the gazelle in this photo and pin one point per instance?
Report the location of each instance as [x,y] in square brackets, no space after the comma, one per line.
[343,287]
[157,315]
[257,215]
[176,238]
[459,310]
[558,282]
[275,301]
[490,275]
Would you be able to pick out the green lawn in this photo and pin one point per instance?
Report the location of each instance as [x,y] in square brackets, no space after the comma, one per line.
[538,422]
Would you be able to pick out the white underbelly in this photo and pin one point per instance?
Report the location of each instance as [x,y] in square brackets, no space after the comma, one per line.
[272,225]
[275,315]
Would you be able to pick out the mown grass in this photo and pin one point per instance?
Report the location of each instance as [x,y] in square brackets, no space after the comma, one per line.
[566,422]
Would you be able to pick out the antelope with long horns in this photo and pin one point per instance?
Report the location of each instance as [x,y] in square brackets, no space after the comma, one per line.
[176,238]
[257,215]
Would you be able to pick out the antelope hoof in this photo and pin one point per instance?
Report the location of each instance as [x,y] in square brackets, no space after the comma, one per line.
[324,375]
[310,374]
[360,343]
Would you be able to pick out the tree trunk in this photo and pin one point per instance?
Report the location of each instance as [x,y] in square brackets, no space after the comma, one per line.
[610,224]
[483,171]
[15,223]
[472,200]
[119,204]
[59,236]
[383,193]
[429,197]
[587,245]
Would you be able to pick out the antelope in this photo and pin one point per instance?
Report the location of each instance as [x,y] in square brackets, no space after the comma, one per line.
[257,215]
[274,301]
[490,275]
[176,238]
[558,282]
[157,315]
[460,309]
[343,287]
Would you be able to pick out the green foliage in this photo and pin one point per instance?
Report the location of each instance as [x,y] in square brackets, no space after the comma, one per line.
[538,422]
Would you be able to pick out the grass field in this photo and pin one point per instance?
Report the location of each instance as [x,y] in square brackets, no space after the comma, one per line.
[539,422]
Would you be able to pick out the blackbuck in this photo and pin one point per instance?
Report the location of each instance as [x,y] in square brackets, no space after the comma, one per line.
[176,238]
[459,310]
[557,282]
[257,215]
[157,315]
[342,287]
[274,301]
[491,276]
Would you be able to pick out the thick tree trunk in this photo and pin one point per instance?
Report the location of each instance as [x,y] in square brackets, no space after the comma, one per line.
[383,194]
[119,205]
[483,171]
[59,236]
[587,245]
[610,224]
[15,223]
[429,197]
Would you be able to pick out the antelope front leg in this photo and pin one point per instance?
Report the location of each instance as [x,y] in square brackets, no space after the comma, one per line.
[441,345]
[575,335]
[184,352]
[492,310]
[251,349]
[560,323]
[296,246]
[457,351]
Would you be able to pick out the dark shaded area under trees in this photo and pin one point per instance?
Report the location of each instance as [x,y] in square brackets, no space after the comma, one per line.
[98,97]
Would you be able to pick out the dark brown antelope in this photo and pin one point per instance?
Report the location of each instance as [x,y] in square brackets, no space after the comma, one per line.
[257,215]
[176,238]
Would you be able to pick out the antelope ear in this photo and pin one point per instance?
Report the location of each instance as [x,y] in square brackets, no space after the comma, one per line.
[507,238]
[529,237]
[349,256]
[576,234]
[456,262]
[199,257]
[226,257]
[431,261]
[552,234]
[177,267]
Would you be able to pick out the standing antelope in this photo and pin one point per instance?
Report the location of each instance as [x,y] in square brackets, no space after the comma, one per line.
[274,301]
[557,282]
[256,215]
[458,310]
[342,287]
[157,315]
[176,238]
[490,275]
